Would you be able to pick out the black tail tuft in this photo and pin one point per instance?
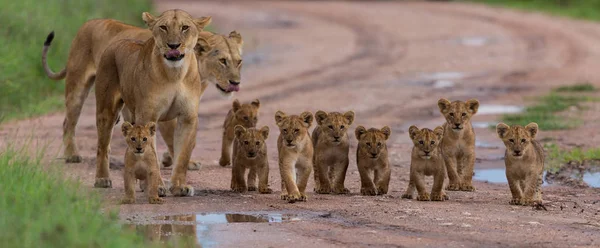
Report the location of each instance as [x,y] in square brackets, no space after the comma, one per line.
[49,39]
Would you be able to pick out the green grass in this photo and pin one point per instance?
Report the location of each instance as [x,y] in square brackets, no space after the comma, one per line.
[545,111]
[558,157]
[24,88]
[39,208]
[580,9]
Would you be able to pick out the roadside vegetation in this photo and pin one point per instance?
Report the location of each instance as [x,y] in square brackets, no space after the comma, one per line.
[39,208]
[24,89]
[580,9]
[557,157]
[546,109]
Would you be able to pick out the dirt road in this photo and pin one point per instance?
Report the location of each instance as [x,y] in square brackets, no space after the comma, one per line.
[389,62]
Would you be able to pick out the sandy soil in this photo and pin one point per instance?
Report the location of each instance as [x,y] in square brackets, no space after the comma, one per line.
[389,62]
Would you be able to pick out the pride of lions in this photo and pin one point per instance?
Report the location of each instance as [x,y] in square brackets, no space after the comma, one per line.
[155,78]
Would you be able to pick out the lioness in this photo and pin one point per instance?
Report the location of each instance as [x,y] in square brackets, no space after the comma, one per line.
[524,159]
[139,159]
[157,80]
[245,115]
[219,61]
[426,160]
[295,154]
[458,145]
[250,152]
[330,140]
[372,158]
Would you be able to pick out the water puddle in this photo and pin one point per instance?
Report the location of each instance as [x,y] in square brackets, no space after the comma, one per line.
[498,175]
[486,145]
[482,124]
[498,109]
[475,41]
[441,84]
[196,230]
[444,76]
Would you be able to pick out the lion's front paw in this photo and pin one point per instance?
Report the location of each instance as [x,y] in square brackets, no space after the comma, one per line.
[239,188]
[128,200]
[182,191]
[291,198]
[467,187]
[252,188]
[381,191]
[103,183]
[439,197]
[194,165]
[453,187]
[156,200]
[423,197]
[516,201]
[323,190]
[407,196]
[284,196]
[303,197]
[73,159]
[340,190]
[162,191]
[530,202]
[368,191]
[265,190]
[224,161]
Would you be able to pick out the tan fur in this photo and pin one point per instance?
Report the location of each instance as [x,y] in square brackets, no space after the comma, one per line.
[84,57]
[331,144]
[372,158]
[295,154]
[141,162]
[250,152]
[245,115]
[524,160]
[458,145]
[426,160]
[153,89]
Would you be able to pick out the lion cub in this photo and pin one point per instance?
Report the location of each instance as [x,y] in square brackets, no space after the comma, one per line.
[245,115]
[426,160]
[295,154]
[458,145]
[524,160]
[141,162]
[330,140]
[250,152]
[372,156]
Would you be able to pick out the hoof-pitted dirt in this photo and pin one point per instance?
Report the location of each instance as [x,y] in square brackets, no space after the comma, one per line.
[389,62]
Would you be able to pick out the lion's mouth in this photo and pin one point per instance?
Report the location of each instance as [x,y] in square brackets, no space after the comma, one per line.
[174,55]
[230,88]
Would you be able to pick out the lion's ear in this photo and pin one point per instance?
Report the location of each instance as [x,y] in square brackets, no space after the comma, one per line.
[532,129]
[439,132]
[502,130]
[237,37]
[202,47]
[265,132]
[236,105]
[202,22]
[256,103]
[473,106]
[152,127]
[349,117]
[307,118]
[279,117]
[413,131]
[443,104]
[386,131]
[238,130]
[126,127]
[359,131]
[148,19]
[320,116]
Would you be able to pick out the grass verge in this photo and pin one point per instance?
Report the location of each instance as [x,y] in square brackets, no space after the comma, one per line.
[558,157]
[545,112]
[39,208]
[24,88]
[580,9]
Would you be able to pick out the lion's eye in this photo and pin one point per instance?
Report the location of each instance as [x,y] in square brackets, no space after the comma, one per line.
[255,118]
[368,144]
[451,114]
[284,130]
[163,27]
[421,142]
[378,144]
[132,139]
[432,142]
[296,130]
[239,63]
[511,140]
[223,61]
[246,142]
[464,114]
[257,142]
[523,141]
[245,117]
[185,28]
[331,127]
[145,139]
[342,127]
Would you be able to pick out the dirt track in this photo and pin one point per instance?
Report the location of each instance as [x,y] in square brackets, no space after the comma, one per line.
[389,62]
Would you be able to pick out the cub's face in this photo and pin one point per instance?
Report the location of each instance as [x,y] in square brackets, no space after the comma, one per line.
[426,140]
[517,139]
[458,113]
[246,114]
[139,138]
[293,128]
[334,125]
[222,57]
[251,141]
[372,142]
[175,34]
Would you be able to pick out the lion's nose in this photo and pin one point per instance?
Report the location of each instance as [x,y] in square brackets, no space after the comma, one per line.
[174,46]
[139,149]
[234,82]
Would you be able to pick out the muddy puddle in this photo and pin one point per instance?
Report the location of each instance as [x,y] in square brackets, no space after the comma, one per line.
[491,109]
[201,230]
[498,175]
